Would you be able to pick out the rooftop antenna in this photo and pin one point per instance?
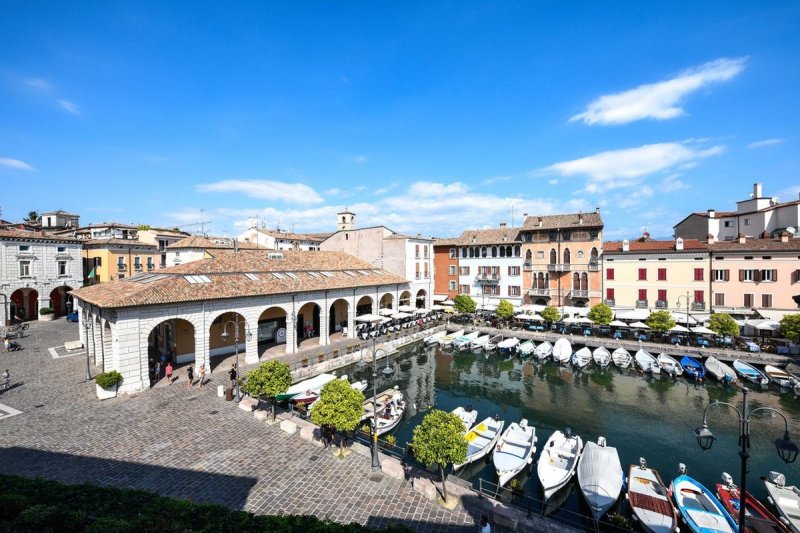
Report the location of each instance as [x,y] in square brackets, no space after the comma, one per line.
[202,224]
[512,214]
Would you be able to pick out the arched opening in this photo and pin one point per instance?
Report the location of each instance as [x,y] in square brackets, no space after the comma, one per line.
[584,281]
[567,256]
[540,301]
[171,340]
[517,250]
[219,345]
[471,252]
[593,255]
[421,299]
[337,317]
[271,329]
[405,298]
[580,303]
[540,281]
[308,322]
[106,353]
[494,251]
[60,301]
[483,251]
[528,256]
[553,256]
[502,251]
[364,306]
[576,281]
[24,304]
[386,301]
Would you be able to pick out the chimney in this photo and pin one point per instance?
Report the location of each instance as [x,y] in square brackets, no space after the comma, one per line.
[540,222]
[596,210]
[741,238]
[711,213]
[502,224]
[626,245]
[524,215]
[785,236]
[235,245]
[679,244]
[580,217]
[756,190]
[710,238]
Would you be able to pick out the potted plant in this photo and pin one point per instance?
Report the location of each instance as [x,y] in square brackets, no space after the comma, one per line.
[349,348]
[46,314]
[304,360]
[336,352]
[321,356]
[107,384]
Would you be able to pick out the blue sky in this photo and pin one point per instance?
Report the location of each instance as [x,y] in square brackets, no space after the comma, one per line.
[426,117]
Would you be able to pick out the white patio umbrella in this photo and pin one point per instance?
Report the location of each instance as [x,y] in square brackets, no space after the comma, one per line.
[768,325]
[703,330]
[437,307]
[420,311]
[407,308]
[618,324]
[677,328]
[401,315]
[640,325]
[386,312]
[570,320]
[370,318]
[523,316]
[448,302]
[584,320]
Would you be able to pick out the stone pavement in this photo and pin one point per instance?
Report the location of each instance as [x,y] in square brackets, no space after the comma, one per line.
[189,444]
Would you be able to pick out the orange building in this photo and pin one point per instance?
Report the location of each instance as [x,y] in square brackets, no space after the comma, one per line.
[445,267]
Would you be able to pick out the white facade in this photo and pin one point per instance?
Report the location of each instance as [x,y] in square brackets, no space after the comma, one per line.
[278,240]
[184,255]
[491,279]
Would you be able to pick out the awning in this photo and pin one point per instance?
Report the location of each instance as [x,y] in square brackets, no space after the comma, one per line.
[680,318]
[618,324]
[768,325]
[584,320]
[437,307]
[401,315]
[487,307]
[370,318]
[407,308]
[633,314]
[448,302]
[703,330]
[439,297]
[386,312]
[570,320]
[677,328]
[773,314]
[640,325]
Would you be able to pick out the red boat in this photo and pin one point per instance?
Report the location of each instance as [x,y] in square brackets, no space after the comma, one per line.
[758,517]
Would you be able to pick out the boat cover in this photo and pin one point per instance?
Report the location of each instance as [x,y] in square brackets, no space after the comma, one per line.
[600,477]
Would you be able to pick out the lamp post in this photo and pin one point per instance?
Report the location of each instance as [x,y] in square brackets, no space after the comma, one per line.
[86,327]
[786,448]
[376,463]
[247,335]
[689,299]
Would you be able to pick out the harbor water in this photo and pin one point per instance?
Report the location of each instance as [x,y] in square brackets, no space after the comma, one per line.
[642,416]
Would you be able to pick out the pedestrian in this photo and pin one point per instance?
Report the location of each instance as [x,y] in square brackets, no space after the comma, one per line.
[190,375]
[232,374]
[169,372]
[157,371]
[6,379]
[202,372]
[485,527]
[6,344]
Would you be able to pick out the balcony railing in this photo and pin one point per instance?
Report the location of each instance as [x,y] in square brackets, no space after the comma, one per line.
[576,293]
[122,267]
[641,304]
[150,266]
[137,268]
[527,267]
[661,304]
[488,277]
[539,292]
[699,306]
[559,267]
[594,266]
[610,302]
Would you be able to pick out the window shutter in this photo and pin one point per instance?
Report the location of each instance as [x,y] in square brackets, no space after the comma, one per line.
[774,274]
[756,275]
[741,275]
[727,275]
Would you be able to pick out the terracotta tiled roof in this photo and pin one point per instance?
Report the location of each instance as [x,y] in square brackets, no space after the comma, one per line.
[565,221]
[199,242]
[792,245]
[483,237]
[102,243]
[18,234]
[649,245]
[450,241]
[226,274]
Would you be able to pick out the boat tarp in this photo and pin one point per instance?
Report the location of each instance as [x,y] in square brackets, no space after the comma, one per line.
[600,476]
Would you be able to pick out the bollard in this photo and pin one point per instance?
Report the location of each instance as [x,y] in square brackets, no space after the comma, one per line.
[220,391]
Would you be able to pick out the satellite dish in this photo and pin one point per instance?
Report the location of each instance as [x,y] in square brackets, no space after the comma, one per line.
[791,230]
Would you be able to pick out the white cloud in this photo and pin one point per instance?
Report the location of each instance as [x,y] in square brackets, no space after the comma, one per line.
[38,84]
[427,189]
[658,101]
[385,189]
[553,181]
[496,179]
[360,159]
[293,193]
[765,142]
[15,164]
[69,107]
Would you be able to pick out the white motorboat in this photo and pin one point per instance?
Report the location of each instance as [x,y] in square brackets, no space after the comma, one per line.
[558,461]
[360,386]
[779,376]
[493,342]
[481,438]
[562,351]
[750,373]
[514,450]
[601,356]
[525,348]
[463,342]
[649,500]
[719,370]
[467,414]
[543,351]
[785,499]
[600,476]
[434,339]
[508,345]
[646,362]
[314,384]
[582,357]
[448,339]
[390,407]
[669,365]
[621,357]
[479,343]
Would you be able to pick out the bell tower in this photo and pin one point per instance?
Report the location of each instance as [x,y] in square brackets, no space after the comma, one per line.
[345,220]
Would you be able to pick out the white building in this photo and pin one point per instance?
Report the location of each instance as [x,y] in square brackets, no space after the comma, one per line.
[59,221]
[196,247]
[37,270]
[266,239]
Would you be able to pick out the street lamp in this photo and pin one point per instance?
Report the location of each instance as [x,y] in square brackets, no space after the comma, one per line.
[689,300]
[376,463]
[236,323]
[86,327]
[786,448]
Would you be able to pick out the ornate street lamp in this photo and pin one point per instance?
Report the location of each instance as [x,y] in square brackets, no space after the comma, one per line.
[86,327]
[376,352]
[689,299]
[786,448]
[247,335]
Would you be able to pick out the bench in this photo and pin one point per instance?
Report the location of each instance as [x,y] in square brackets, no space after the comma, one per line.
[73,345]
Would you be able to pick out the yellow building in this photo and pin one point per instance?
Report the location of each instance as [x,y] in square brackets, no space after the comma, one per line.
[652,275]
[110,259]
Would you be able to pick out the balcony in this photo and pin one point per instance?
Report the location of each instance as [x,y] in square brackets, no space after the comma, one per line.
[122,267]
[488,278]
[661,304]
[699,306]
[559,267]
[594,266]
[539,292]
[137,268]
[641,304]
[527,267]
[579,294]
[611,302]
[150,266]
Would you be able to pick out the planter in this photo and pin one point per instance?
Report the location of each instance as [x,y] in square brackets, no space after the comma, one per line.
[46,318]
[105,394]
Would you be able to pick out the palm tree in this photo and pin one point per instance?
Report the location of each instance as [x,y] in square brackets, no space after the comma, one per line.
[33,217]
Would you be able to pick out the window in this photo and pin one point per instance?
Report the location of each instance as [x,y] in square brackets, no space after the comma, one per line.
[719,298]
[662,295]
[766,300]
[579,254]
[452,285]
[643,294]
[464,289]
[540,254]
[610,294]
[61,249]
[748,300]
[728,223]
[698,274]
[24,269]
[425,251]
[699,297]
[464,270]
[566,236]
[452,270]
[552,236]
[150,265]
[610,273]
[768,275]
[121,263]
[62,268]
[416,251]
[513,271]
[463,253]
[747,222]
[721,275]
[642,277]
[746,275]
[427,275]
[24,248]
[453,253]
[137,263]
[514,290]
[662,275]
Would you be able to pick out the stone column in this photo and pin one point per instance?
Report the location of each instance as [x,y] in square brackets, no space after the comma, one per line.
[251,348]
[324,333]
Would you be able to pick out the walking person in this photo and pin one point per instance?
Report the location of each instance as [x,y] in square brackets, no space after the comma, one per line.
[232,374]
[169,372]
[190,375]
[6,379]
[202,372]
[485,527]
[157,371]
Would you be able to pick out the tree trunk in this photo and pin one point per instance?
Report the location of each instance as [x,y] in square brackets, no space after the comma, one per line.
[444,482]
[272,404]
[341,446]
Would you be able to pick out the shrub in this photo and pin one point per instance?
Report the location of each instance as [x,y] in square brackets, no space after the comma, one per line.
[46,311]
[53,517]
[11,505]
[107,380]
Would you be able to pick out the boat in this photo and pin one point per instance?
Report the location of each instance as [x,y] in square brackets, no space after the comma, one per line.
[481,438]
[701,511]
[389,406]
[514,450]
[467,414]
[778,376]
[785,499]
[525,348]
[692,368]
[758,517]
[448,339]
[750,373]
[360,386]
[600,476]
[463,342]
[508,345]
[794,371]
[312,395]
[479,343]
[646,362]
[558,461]
[582,357]
[621,357]
[493,342]
[562,351]
[601,356]
[312,384]
[719,370]
[543,351]
[434,339]
[649,501]
[669,364]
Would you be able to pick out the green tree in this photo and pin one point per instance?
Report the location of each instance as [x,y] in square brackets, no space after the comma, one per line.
[550,314]
[339,406]
[723,324]
[143,227]
[440,439]
[660,321]
[790,326]
[464,303]
[33,216]
[268,380]
[504,309]
[601,314]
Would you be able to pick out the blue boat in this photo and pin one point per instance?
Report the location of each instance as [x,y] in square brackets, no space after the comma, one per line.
[692,368]
[701,511]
